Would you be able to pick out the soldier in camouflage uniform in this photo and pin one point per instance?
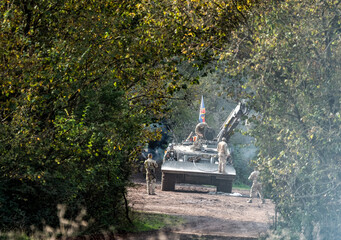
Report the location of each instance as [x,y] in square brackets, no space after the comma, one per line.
[223,154]
[256,187]
[150,166]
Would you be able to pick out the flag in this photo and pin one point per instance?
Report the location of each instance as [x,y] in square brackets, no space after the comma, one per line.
[202,110]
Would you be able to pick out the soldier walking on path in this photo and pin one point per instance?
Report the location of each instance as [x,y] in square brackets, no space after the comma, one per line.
[256,187]
[223,154]
[150,166]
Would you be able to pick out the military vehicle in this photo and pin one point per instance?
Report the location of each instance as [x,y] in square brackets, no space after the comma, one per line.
[195,160]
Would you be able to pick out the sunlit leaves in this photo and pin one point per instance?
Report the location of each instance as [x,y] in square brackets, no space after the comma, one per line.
[293,74]
[81,81]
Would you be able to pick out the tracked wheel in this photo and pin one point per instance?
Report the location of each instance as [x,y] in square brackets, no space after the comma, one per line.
[168,182]
[224,186]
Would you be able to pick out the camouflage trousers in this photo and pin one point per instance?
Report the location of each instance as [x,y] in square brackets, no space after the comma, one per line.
[256,188]
[222,163]
[150,185]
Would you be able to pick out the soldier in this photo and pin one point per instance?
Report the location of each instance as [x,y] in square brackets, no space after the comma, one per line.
[223,154]
[256,187]
[141,160]
[150,166]
[200,130]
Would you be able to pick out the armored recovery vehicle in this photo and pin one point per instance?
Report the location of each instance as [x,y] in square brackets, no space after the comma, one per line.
[195,160]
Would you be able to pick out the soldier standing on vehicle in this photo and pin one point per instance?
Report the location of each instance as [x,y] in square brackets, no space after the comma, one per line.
[200,130]
[150,166]
[223,154]
[256,187]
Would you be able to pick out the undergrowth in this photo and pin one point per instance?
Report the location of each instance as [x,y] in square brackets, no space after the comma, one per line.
[141,222]
[151,221]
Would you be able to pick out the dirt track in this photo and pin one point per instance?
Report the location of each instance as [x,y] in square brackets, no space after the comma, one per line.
[208,214]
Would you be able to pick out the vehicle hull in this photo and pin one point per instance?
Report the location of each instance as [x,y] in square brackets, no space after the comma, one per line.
[196,173]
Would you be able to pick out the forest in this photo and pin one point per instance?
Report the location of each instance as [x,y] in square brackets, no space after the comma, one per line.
[83,81]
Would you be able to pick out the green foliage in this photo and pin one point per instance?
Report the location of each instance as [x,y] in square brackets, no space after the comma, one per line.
[80,84]
[289,52]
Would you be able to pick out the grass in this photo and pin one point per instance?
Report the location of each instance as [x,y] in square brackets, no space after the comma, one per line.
[241,186]
[150,221]
[14,236]
[142,222]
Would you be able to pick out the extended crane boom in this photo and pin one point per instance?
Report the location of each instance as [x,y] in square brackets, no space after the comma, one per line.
[232,122]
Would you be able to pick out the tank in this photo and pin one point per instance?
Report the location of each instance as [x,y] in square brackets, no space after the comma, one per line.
[195,160]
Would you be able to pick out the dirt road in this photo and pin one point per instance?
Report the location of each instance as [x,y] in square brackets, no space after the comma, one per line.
[208,214]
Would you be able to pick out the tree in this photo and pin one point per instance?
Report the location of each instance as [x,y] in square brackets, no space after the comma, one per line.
[288,58]
[80,83]
[69,126]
